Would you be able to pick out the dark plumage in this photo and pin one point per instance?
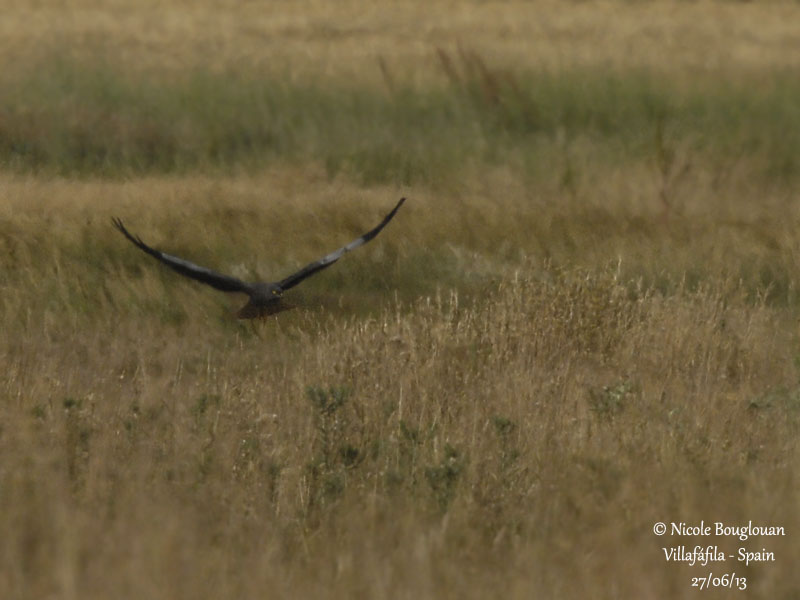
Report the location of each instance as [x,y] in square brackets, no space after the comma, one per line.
[265,297]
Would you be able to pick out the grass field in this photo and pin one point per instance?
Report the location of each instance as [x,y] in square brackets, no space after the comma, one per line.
[583,321]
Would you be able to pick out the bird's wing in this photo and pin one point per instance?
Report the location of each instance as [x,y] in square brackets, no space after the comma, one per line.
[327,261]
[186,268]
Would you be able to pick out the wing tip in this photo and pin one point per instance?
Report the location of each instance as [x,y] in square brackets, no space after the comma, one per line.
[135,239]
[392,213]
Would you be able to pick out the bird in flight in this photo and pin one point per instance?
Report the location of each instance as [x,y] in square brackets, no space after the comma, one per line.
[266,298]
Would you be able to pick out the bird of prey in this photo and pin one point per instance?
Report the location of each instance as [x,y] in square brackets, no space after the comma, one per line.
[266,298]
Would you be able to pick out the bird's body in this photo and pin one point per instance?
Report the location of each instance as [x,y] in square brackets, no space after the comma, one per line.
[266,298]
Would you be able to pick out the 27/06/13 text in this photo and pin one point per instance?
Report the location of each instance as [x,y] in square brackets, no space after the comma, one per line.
[728,580]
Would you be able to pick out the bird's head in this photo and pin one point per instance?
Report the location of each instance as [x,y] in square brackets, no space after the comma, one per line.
[271,290]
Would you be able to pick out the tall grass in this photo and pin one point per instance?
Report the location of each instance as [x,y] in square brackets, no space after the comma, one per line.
[516,431]
[540,431]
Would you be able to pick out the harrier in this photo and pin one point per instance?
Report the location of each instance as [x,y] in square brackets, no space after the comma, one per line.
[266,298]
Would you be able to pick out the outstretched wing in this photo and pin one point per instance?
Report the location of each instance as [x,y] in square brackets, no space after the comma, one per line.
[327,261]
[186,268]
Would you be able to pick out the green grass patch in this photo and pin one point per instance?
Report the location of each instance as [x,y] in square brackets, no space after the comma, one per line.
[65,116]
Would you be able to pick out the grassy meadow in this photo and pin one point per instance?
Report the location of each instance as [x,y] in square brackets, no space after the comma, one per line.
[585,320]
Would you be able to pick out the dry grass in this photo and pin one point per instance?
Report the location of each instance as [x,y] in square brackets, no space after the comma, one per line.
[345,39]
[514,442]
[498,397]
[524,445]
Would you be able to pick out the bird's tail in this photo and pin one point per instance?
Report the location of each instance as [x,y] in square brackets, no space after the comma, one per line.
[255,311]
